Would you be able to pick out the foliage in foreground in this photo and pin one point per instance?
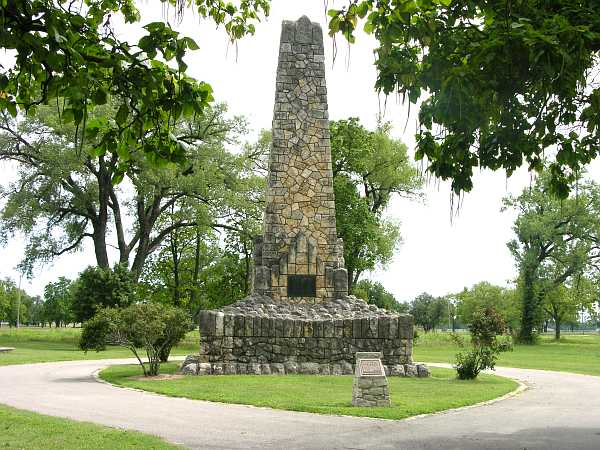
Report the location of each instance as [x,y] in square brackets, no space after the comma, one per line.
[153,328]
[68,54]
[507,83]
[486,324]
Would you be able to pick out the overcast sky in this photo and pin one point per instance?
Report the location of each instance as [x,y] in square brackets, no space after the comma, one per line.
[438,255]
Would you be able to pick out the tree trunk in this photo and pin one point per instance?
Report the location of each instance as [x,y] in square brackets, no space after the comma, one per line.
[196,271]
[529,306]
[176,278]
[350,277]
[99,237]
[140,257]
[246,268]
[556,328]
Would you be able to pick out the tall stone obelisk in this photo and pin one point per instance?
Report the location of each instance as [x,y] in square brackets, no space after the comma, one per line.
[299,257]
[299,317]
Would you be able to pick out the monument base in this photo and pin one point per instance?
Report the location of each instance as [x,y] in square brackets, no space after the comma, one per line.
[260,336]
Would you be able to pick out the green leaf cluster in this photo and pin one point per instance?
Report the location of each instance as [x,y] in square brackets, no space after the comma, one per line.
[369,168]
[429,311]
[500,84]
[374,293]
[68,55]
[556,243]
[98,288]
[143,326]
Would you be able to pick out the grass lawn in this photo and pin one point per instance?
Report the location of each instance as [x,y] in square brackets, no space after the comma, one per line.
[573,353]
[320,394]
[61,344]
[25,430]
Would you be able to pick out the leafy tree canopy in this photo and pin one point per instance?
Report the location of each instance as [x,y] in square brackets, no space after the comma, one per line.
[374,293]
[58,301]
[369,167]
[14,303]
[556,241]
[483,295]
[62,198]
[98,287]
[501,84]
[68,55]
[429,311]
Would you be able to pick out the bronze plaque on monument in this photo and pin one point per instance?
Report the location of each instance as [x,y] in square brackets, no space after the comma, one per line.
[370,368]
[302,286]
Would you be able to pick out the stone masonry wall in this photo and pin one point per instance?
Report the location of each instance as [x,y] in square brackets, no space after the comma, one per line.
[229,338]
[300,235]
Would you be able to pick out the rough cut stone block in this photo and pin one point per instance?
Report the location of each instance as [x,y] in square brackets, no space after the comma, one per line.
[204,369]
[318,329]
[348,326]
[277,369]
[308,329]
[229,368]
[393,328]
[238,326]
[357,328]
[228,325]
[347,368]
[423,371]
[307,368]
[324,369]
[383,328]
[373,325]
[207,323]
[397,370]
[291,367]
[288,328]
[219,323]
[410,370]
[248,327]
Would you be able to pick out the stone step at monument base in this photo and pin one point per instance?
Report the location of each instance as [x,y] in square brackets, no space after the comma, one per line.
[193,365]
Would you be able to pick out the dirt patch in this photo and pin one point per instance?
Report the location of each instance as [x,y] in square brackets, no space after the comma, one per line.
[159,377]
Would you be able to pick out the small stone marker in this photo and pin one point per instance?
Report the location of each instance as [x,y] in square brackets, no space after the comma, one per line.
[370,387]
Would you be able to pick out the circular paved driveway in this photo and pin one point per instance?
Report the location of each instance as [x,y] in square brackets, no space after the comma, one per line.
[558,411]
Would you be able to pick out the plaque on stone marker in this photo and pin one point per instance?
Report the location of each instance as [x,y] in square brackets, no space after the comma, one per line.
[370,368]
[302,286]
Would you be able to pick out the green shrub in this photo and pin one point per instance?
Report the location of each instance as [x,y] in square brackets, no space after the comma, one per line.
[147,326]
[486,325]
[469,364]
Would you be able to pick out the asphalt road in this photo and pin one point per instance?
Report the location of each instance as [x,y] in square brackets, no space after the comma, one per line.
[558,411]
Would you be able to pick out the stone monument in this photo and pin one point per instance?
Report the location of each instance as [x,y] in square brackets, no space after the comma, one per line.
[370,387]
[299,317]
